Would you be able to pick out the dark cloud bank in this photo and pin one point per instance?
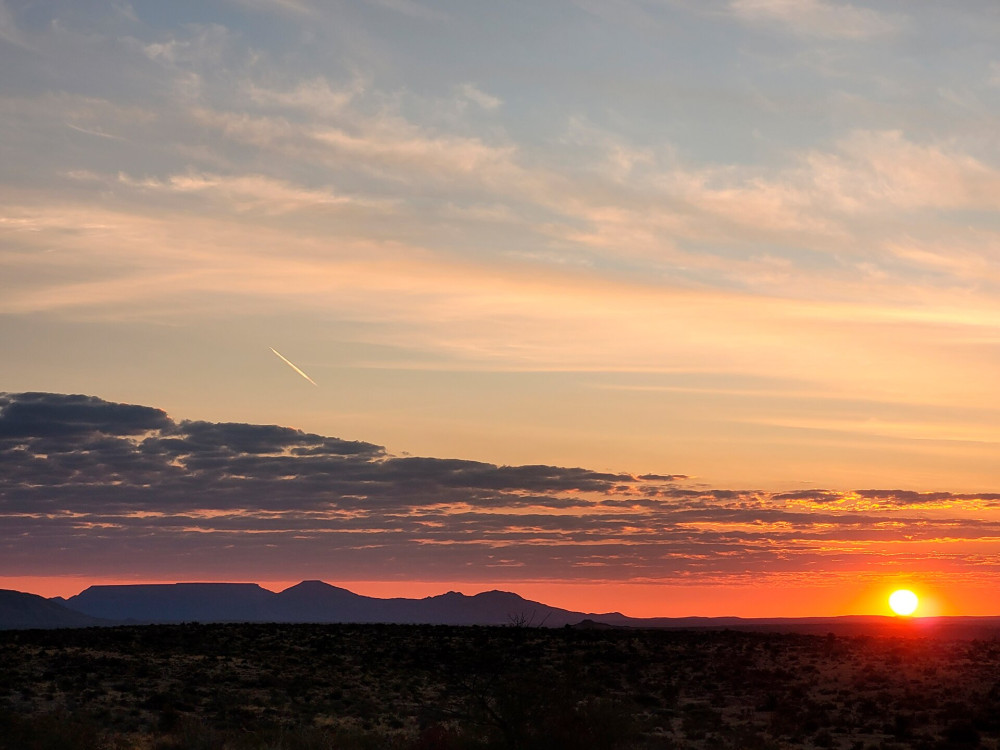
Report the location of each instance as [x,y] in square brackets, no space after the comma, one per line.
[91,487]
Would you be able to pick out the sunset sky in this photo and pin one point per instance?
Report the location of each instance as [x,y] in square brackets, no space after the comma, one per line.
[672,307]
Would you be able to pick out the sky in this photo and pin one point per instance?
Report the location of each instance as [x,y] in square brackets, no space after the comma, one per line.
[663,306]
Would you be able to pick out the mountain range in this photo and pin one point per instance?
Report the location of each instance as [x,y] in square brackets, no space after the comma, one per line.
[313,601]
[319,602]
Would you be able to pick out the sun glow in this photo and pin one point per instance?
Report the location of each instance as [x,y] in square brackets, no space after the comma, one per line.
[903,602]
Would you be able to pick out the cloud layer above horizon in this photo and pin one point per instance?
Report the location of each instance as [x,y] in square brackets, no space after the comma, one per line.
[102,489]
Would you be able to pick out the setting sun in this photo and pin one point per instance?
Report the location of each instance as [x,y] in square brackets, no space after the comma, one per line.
[903,602]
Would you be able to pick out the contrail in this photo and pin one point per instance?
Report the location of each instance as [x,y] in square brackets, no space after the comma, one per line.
[293,367]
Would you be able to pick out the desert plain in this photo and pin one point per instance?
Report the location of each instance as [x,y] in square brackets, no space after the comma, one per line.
[414,687]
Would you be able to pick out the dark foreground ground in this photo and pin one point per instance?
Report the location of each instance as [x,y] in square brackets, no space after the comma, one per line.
[319,687]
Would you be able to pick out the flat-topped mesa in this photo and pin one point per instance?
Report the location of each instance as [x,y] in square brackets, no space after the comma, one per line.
[174,602]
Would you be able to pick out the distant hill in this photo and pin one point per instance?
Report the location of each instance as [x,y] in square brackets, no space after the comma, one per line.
[311,601]
[20,611]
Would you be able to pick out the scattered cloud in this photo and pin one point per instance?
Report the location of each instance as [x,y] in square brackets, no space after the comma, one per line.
[818,18]
[294,7]
[411,8]
[204,44]
[9,30]
[479,97]
[315,96]
[92,131]
[884,169]
[251,192]
[384,144]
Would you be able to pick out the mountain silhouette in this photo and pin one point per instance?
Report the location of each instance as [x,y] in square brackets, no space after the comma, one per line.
[21,611]
[316,601]
[175,602]
[311,601]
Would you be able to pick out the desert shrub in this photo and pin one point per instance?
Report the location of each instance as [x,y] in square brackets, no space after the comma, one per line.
[823,738]
[902,726]
[959,735]
[49,731]
[698,720]
[191,734]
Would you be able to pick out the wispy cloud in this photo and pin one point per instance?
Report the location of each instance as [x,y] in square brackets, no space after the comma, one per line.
[252,192]
[878,170]
[412,8]
[818,18]
[315,96]
[296,7]
[382,143]
[479,97]
[91,131]
[10,32]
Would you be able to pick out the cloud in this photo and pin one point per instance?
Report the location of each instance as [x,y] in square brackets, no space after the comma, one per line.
[817,18]
[90,131]
[479,97]
[727,224]
[315,96]
[44,415]
[411,8]
[89,486]
[699,206]
[10,32]
[204,45]
[379,144]
[293,7]
[635,201]
[874,170]
[252,192]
